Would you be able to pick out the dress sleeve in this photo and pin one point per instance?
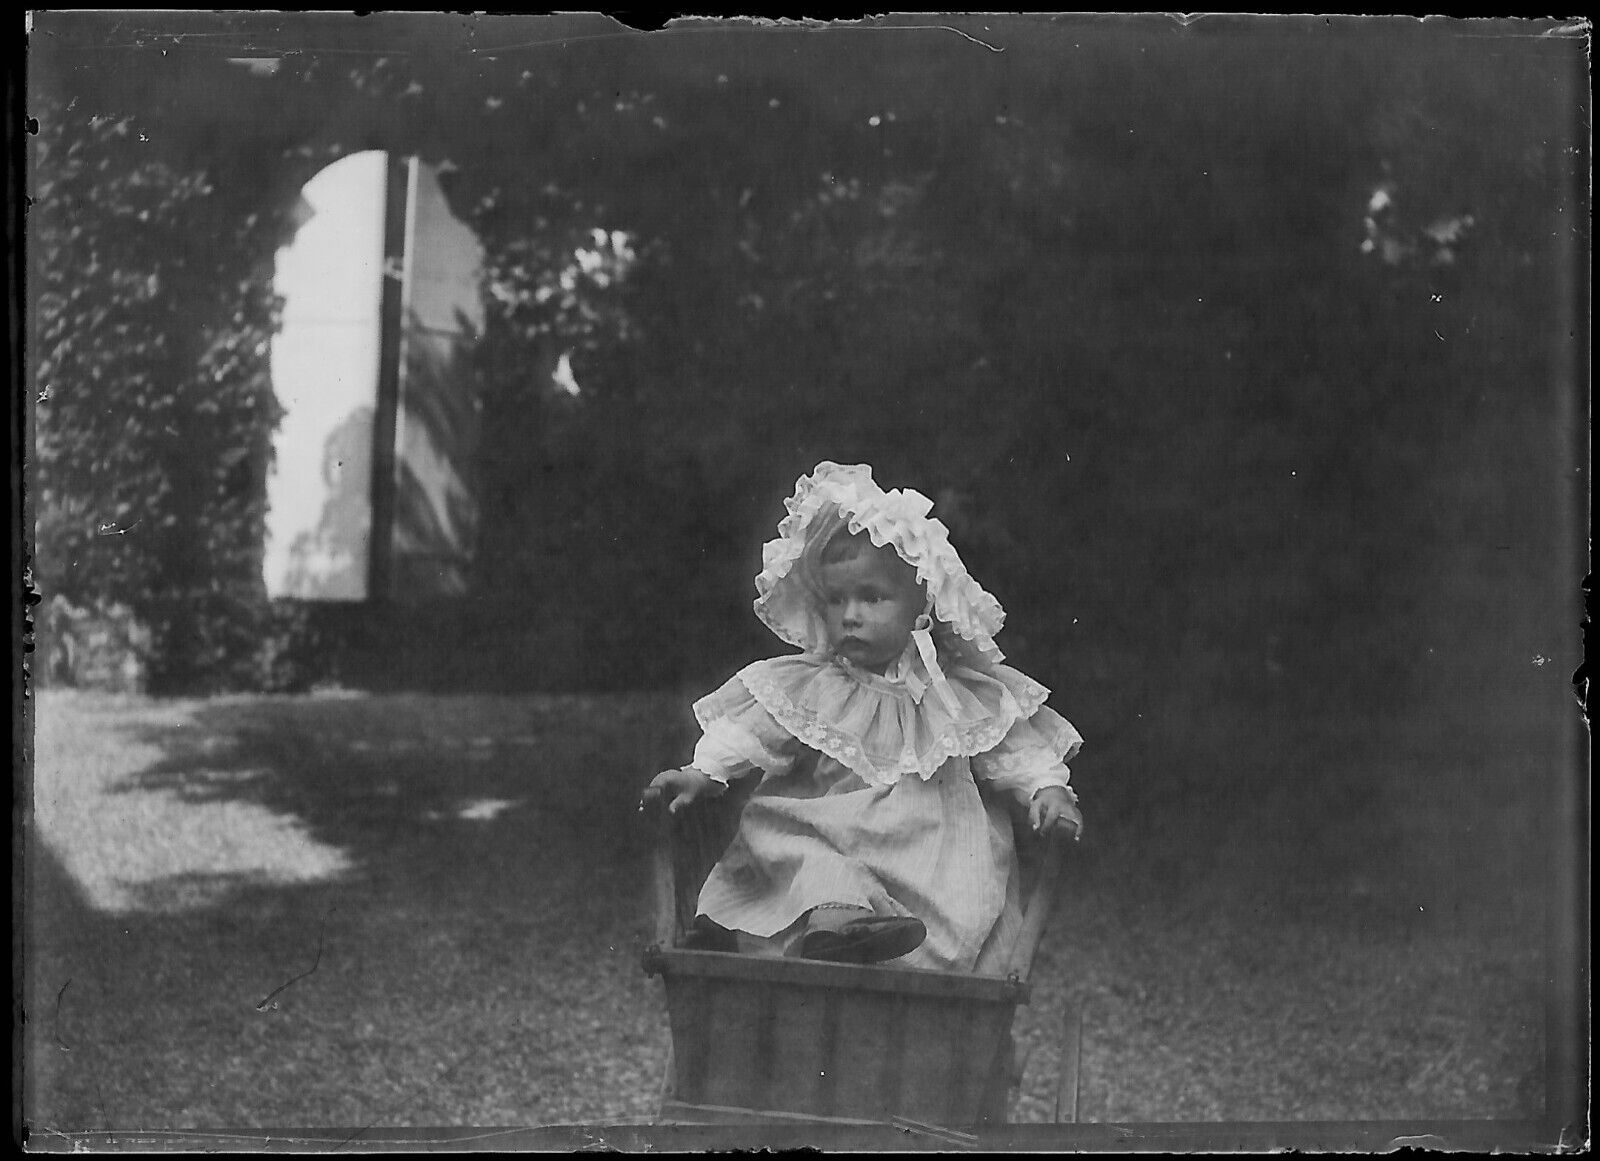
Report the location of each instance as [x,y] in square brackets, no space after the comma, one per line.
[740,736]
[1033,754]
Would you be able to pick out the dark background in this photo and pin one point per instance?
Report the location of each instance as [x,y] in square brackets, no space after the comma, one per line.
[1103,294]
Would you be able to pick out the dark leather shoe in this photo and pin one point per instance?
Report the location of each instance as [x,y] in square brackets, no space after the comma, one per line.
[871,939]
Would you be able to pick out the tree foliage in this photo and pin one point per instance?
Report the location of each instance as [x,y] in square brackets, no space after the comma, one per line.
[152,283]
[1213,348]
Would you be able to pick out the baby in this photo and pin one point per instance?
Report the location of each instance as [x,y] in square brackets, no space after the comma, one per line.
[867,838]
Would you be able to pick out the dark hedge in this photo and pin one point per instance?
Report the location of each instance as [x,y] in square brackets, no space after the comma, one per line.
[154,301]
[1193,398]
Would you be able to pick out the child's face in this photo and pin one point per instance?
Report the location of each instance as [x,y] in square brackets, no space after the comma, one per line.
[871,603]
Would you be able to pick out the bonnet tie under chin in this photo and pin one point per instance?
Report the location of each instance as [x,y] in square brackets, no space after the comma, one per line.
[922,637]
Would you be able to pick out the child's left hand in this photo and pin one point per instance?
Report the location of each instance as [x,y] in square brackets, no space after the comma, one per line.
[1053,809]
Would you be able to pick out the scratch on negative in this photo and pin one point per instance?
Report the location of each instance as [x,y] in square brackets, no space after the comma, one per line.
[949,28]
[277,991]
[492,50]
[55,1030]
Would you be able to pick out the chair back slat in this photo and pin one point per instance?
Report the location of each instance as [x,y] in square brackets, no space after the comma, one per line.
[691,843]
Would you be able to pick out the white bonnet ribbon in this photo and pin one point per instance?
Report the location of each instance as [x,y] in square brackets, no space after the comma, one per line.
[923,638]
[906,674]
[908,507]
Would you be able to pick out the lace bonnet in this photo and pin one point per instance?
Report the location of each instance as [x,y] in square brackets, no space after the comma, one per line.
[966,617]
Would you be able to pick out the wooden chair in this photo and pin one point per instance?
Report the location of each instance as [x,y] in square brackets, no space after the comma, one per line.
[765,1038]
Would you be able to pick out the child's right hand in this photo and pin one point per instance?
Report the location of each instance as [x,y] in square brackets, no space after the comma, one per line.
[678,788]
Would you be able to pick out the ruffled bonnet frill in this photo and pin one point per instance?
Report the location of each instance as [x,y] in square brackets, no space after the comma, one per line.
[947,696]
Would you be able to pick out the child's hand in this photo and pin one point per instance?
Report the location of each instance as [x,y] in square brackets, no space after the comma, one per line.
[678,787]
[1053,809]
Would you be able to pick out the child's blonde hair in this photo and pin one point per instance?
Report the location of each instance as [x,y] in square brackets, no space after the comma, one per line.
[841,545]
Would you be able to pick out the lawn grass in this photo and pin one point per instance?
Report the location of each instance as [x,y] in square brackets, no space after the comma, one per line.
[408,910]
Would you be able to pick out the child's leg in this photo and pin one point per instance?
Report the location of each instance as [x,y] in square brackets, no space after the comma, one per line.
[841,933]
[771,945]
[708,935]
[826,917]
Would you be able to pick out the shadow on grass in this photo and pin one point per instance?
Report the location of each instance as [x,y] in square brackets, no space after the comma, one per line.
[514,805]
[477,963]
[1243,916]
[495,800]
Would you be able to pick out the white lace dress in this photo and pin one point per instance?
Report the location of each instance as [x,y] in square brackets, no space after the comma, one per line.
[869,795]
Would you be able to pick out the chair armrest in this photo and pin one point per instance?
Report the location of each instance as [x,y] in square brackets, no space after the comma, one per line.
[1037,906]
[665,884]
[688,844]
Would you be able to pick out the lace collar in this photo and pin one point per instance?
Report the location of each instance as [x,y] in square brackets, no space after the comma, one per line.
[877,725]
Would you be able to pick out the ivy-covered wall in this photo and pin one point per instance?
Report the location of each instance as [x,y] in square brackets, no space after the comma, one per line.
[153,293]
